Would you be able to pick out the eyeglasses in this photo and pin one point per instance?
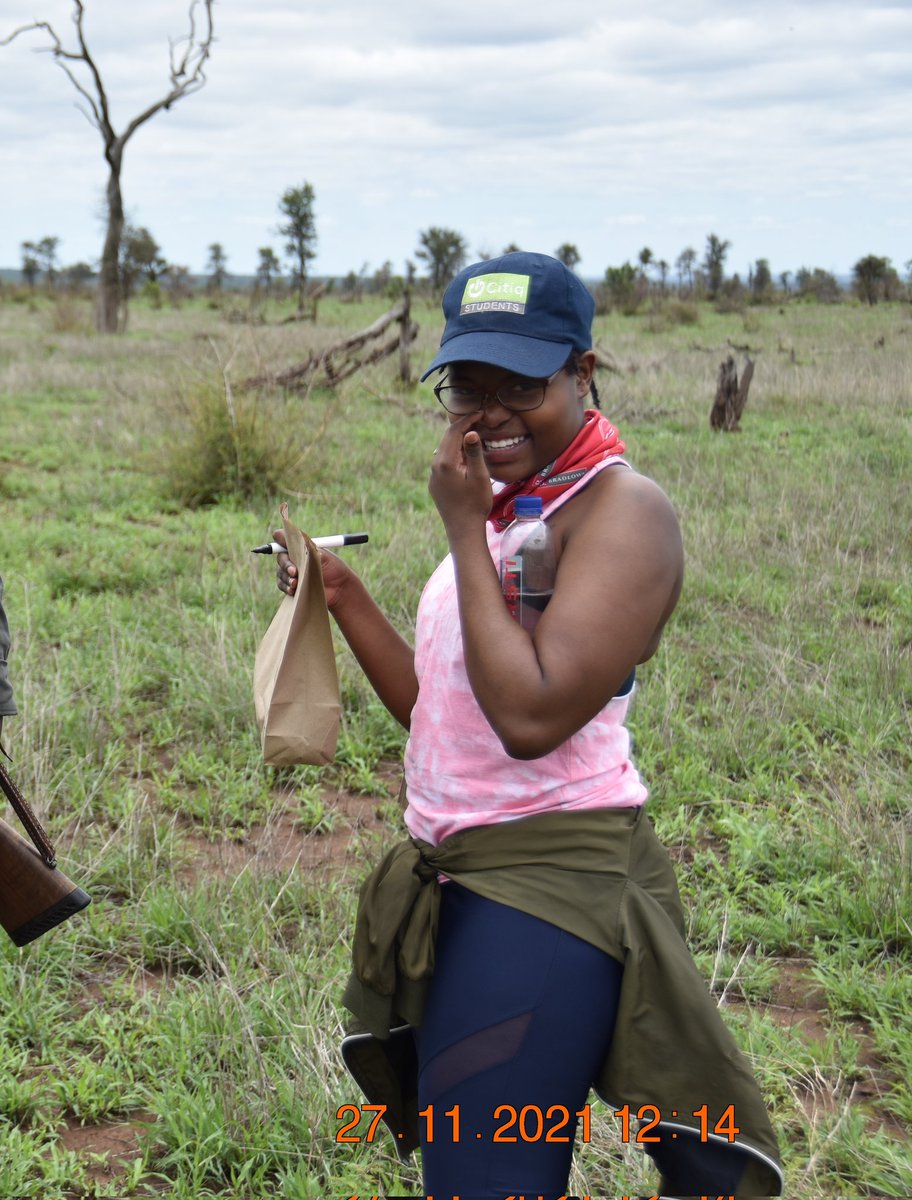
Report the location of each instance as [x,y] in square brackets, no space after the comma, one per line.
[518,394]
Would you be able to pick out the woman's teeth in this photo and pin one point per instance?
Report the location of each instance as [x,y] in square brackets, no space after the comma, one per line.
[503,443]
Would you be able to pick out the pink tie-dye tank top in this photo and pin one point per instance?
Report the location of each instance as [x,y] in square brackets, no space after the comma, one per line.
[458,774]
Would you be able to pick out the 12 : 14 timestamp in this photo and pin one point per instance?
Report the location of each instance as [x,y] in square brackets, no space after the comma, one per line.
[649,1116]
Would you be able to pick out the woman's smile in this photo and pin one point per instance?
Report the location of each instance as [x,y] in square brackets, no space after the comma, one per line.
[501,448]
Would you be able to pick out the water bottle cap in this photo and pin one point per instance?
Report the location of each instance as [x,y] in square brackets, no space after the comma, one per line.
[525,506]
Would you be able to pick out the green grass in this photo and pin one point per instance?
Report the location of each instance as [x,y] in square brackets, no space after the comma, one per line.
[198,997]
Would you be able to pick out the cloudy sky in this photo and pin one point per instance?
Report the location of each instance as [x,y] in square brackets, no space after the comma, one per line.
[782,126]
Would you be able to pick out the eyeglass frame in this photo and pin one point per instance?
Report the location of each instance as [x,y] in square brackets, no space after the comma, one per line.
[486,397]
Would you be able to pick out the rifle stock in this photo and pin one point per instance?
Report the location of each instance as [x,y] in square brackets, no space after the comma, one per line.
[33,896]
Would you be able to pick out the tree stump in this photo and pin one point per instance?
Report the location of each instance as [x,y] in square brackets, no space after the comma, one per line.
[731,396]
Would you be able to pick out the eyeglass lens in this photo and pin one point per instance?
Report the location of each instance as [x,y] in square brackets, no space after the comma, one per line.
[518,394]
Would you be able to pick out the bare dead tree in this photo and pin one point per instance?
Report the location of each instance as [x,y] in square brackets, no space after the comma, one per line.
[188,56]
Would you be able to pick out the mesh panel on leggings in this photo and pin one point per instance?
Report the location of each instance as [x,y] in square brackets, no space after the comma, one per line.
[476,1053]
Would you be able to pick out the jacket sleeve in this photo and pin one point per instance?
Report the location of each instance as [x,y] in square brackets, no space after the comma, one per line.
[7,703]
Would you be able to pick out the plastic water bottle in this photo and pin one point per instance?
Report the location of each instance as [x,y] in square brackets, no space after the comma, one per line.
[527,563]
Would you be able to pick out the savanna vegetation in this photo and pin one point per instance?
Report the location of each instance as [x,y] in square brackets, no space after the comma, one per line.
[180,1036]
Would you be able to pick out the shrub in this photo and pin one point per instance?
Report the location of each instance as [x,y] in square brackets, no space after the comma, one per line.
[70,315]
[625,289]
[226,448]
[152,292]
[818,285]
[682,312]
[665,314]
[731,298]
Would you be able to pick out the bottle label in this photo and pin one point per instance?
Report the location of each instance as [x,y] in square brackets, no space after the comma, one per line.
[511,582]
[525,606]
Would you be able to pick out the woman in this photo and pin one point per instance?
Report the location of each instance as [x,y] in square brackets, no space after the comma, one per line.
[529,932]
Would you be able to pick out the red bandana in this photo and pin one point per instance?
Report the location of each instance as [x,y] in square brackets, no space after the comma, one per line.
[598,439]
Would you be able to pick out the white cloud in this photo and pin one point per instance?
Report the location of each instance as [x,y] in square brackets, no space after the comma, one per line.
[599,124]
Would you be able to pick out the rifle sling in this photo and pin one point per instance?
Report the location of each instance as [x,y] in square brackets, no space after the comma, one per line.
[27,817]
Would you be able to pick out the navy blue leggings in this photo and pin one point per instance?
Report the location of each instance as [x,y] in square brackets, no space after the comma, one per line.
[519,1018]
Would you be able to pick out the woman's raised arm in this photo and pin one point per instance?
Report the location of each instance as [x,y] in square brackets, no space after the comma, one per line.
[618,579]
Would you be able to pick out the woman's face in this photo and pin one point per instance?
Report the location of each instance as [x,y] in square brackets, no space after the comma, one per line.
[519,444]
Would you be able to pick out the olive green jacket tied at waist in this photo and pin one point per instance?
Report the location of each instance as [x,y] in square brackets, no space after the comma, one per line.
[602,875]
[7,704]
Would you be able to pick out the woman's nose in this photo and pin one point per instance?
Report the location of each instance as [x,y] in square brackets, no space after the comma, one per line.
[492,410]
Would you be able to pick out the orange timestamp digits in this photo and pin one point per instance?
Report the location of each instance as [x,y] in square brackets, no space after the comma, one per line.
[650,1116]
[533,1123]
[530,1123]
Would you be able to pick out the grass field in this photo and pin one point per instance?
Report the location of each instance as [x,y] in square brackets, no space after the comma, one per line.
[180,1036]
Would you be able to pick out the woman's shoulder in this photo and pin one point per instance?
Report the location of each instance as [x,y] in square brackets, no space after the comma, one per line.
[617,498]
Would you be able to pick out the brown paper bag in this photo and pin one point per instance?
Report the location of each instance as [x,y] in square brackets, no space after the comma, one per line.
[295,684]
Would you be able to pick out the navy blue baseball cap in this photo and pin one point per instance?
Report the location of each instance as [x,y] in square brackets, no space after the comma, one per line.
[523,312]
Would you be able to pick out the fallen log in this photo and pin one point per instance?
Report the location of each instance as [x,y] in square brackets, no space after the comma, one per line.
[343,359]
[336,372]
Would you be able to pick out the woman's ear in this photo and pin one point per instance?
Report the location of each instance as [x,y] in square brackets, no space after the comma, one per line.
[584,372]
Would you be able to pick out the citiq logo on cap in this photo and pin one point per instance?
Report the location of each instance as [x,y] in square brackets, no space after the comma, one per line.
[495,293]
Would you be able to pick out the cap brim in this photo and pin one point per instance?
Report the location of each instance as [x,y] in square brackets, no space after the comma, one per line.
[526,356]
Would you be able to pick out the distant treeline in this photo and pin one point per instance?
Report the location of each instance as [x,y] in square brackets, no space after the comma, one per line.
[625,288]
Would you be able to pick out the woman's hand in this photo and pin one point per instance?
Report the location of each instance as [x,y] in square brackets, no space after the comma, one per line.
[336,573]
[459,484]
[387,659]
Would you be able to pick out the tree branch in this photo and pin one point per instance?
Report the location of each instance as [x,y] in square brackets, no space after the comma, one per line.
[57,49]
[105,128]
[186,71]
[182,84]
[27,29]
